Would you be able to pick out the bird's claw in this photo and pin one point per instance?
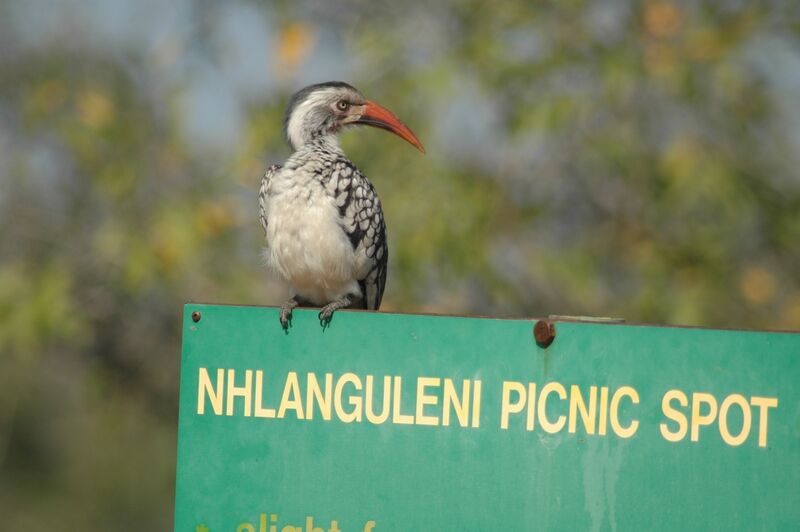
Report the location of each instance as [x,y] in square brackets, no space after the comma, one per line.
[286,319]
[286,314]
[325,315]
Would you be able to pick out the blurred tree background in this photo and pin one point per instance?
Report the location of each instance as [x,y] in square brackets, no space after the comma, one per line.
[604,158]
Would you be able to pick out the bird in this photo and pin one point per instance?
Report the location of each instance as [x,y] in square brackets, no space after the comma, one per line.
[322,218]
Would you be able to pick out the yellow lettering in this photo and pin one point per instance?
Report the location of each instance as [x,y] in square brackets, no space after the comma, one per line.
[507,407]
[260,410]
[290,400]
[531,417]
[451,400]
[699,419]
[387,390]
[245,392]
[353,400]
[424,400]
[619,430]
[727,437]
[674,415]
[576,405]
[214,394]
[397,416]
[310,525]
[544,421]
[603,421]
[763,404]
[476,405]
[314,393]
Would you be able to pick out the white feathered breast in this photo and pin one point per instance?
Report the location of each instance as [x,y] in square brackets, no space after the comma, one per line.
[306,243]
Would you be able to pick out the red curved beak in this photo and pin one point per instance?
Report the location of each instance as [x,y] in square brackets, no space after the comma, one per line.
[378,116]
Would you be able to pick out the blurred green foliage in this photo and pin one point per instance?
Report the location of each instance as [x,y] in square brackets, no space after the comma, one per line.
[603,158]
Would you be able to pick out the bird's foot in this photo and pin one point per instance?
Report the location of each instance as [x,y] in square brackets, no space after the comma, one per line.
[286,312]
[327,311]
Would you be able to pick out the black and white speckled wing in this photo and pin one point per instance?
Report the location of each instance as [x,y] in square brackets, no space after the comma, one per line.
[362,220]
[263,193]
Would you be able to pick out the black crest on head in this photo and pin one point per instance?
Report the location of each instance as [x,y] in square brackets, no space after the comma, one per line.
[303,93]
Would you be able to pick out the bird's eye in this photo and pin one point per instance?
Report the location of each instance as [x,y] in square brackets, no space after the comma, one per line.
[342,105]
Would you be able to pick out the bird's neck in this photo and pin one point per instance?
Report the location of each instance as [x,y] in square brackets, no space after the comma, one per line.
[321,144]
[315,153]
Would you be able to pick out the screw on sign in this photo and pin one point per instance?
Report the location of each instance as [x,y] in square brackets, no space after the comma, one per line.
[544,332]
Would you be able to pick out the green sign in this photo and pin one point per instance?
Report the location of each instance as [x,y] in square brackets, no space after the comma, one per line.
[385,422]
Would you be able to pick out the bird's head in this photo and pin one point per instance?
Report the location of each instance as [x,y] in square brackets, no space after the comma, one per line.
[324,109]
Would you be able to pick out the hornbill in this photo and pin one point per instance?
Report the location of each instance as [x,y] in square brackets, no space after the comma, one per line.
[321,216]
